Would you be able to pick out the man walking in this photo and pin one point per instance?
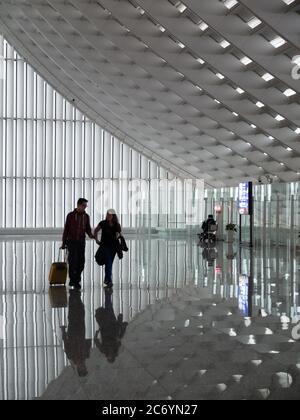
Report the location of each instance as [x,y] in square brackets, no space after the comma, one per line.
[76,227]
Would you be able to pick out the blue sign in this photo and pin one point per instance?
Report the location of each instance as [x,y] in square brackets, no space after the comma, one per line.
[245,198]
[244,295]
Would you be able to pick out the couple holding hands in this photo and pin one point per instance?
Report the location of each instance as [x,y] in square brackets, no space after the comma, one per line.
[77,226]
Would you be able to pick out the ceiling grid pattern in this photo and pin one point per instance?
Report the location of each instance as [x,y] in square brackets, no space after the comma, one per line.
[203,88]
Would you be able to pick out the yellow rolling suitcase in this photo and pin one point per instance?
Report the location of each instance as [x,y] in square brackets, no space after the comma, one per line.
[58,272]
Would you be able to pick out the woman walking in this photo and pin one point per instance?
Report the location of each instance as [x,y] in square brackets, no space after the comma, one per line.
[110,232]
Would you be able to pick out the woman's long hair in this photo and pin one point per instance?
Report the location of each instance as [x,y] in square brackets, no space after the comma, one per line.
[115,219]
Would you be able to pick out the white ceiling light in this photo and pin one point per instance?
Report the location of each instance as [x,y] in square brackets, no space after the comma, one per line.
[180,6]
[224,44]
[271,138]
[200,60]
[254,22]
[267,77]
[289,92]
[288,2]
[260,104]
[180,44]
[216,100]
[289,149]
[281,163]
[235,114]
[279,117]
[253,126]
[278,42]
[296,60]
[141,11]
[240,90]
[246,60]
[161,28]
[203,26]
[230,3]
[220,76]
[297,131]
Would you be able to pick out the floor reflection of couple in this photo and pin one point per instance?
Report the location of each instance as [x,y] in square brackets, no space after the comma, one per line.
[110,328]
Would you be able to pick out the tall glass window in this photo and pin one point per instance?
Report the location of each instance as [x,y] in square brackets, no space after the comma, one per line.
[51,154]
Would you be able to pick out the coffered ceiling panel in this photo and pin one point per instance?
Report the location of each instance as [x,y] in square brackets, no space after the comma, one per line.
[209,89]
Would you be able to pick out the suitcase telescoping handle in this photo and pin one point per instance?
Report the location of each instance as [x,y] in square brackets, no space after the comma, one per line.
[64,252]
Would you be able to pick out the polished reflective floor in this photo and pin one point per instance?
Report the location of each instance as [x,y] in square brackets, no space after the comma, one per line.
[182,322]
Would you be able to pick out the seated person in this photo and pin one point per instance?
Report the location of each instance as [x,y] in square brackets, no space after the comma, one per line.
[208,233]
[210,221]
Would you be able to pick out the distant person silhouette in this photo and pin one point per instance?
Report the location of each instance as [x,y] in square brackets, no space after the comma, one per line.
[210,221]
[111,328]
[76,346]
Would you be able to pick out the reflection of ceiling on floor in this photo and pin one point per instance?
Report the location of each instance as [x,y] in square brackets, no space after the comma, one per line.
[206,87]
[192,347]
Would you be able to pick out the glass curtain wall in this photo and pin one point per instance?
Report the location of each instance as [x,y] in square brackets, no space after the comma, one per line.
[276,211]
[51,154]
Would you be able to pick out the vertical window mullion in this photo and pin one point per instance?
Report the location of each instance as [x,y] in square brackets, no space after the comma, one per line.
[35,172]
[74,154]
[25,143]
[5,164]
[112,157]
[64,173]
[15,142]
[47,187]
[83,154]
[54,130]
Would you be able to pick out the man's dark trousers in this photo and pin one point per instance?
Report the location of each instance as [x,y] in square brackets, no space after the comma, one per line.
[76,260]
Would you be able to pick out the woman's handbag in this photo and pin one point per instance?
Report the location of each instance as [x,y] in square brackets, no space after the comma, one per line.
[100,256]
[123,244]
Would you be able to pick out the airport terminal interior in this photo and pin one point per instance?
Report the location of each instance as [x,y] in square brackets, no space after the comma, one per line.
[181,118]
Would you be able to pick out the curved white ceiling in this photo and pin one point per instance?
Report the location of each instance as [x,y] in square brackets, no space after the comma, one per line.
[186,83]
